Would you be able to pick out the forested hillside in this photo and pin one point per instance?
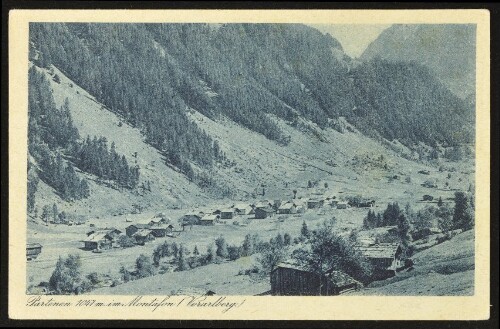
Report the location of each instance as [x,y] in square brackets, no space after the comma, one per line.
[150,73]
[55,149]
[153,75]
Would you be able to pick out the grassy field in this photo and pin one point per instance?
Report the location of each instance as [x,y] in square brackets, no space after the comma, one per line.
[223,279]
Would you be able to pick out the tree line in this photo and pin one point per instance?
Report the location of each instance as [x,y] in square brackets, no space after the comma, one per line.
[461,216]
[93,156]
[116,64]
[150,73]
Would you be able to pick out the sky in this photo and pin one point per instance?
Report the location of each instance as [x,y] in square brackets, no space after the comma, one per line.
[353,37]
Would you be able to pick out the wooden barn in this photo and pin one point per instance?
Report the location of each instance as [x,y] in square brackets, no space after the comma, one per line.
[131,229]
[287,208]
[386,258]
[227,214]
[263,204]
[289,279]
[261,213]
[154,222]
[191,219]
[33,250]
[97,241]
[142,236]
[112,232]
[314,203]
[209,220]
[161,231]
[243,209]
[158,232]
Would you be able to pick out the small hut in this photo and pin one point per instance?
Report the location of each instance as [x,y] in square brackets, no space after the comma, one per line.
[208,220]
[98,240]
[33,250]
[142,236]
[289,279]
[262,213]
[287,208]
[227,214]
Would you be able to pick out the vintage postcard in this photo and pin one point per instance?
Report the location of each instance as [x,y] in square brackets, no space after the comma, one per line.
[249,164]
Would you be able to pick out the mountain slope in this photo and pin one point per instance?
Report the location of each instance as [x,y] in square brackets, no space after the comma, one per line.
[256,162]
[235,110]
[168,186]
[447,49]
[150,73]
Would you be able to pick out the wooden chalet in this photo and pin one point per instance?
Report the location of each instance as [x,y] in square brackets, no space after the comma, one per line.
[131,229]
[155,221]
[263,204]
[287,208]
[386,258]
[97,241]
[161,231]
[191,219]
[112,232]
[227,214]
[142,236]
[261,213]
[209,219]
[33,250]
[243,209]
[289,279]
[314,203]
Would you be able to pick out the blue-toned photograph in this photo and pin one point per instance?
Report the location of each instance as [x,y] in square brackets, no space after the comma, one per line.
[251,159]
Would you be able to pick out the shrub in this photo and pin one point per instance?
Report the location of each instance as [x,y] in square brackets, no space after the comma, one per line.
[126,275]
[221,244]
[182,263]
[94,278]
[234,252]
[144,266]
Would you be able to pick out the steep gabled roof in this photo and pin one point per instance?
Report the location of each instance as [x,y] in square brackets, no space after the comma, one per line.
[209,217]
[142,233]
[380,250]
[145,221]
[97,236]
[287,206]
[140,226]
[266,209]
[338,278]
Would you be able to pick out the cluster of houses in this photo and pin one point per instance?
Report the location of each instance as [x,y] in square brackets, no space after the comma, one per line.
[140,233]
[263,209]
[149,229]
